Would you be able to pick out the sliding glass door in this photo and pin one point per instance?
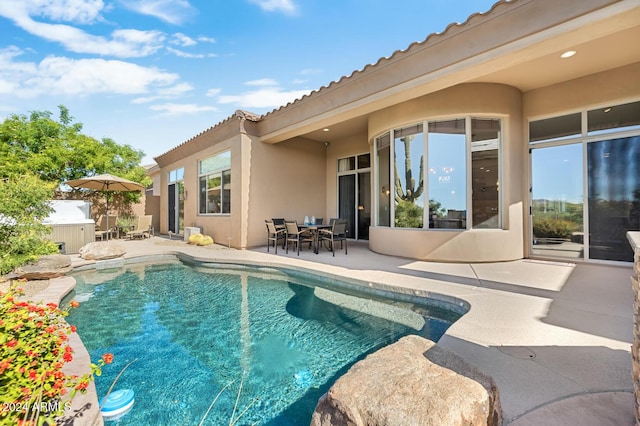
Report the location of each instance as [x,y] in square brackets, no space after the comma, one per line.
[557,201]
[585,183]
[614,196]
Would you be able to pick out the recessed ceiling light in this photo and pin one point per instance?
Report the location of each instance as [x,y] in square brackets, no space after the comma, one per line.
[568,54]
[606,110]
[326,129]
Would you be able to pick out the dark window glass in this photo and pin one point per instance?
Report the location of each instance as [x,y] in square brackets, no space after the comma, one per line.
[615,118]
[614,197]
[555,128]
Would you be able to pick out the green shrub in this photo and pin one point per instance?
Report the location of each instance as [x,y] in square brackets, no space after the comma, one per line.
[24,204]
[127,222]
[408,215]
[553,228]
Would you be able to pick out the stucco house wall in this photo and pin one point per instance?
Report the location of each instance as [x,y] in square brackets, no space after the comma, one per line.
[504,63]
[287,180]
[220,227]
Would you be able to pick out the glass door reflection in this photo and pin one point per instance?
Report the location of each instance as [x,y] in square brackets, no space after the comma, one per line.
[557,201]
[613,168]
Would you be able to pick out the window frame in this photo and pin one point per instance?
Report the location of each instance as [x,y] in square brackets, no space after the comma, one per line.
[389,133]
[225,194]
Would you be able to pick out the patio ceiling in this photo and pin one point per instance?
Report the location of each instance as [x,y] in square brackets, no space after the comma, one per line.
[603,39]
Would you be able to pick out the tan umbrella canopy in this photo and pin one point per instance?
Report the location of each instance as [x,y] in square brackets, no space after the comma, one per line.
[106,183]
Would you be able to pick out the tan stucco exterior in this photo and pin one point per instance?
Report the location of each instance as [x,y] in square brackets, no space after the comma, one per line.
[503,64]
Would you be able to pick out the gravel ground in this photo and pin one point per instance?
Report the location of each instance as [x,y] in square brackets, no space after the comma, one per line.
[30,288]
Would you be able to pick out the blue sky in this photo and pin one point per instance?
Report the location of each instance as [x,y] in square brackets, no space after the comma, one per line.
[154,73]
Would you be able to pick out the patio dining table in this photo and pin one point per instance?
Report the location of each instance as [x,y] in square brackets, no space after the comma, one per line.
[316,230]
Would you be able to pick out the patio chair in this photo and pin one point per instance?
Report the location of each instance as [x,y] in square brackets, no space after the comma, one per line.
[275,235]
[297,236]
[319,220]
[338,232]
[278,222]
[104,229]
[143,228]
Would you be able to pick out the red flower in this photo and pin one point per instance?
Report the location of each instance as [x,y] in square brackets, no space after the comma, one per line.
[33,375]
[82,385]
[50,329]
[73,328]
[52,305]
[12,343]
[108,358]
[74,304]
[67,357]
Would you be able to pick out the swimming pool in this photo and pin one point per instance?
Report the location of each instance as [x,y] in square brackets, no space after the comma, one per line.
[195,329]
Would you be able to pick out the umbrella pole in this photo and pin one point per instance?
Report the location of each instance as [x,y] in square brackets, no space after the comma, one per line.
[107,204]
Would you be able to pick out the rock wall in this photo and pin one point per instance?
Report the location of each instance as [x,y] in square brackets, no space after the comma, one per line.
[411,382]
[635,348]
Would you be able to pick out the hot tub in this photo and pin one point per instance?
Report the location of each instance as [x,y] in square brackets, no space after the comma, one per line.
[71,224]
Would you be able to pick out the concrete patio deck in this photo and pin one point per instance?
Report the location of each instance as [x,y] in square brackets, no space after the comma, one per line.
[555,336]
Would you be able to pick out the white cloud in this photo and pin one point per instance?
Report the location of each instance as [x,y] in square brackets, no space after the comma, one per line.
[171,11]
[76,11]
[56,75]
[286,6]
[213,92]
[262,82]
[182,109]
[182,40]
[187,55]
[310,71]
[270,97]
[123,43]
[207,39]
[165,93]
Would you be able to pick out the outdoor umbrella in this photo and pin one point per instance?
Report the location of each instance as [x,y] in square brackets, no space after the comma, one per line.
[105,183]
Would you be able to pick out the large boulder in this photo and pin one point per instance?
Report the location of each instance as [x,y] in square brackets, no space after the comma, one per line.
[411,382]
[46,267]
[101,250]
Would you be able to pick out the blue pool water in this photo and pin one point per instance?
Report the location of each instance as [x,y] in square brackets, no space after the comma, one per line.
[195,330]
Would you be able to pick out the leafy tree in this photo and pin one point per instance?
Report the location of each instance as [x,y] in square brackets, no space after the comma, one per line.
[435,207]
[23,206]
[57,151]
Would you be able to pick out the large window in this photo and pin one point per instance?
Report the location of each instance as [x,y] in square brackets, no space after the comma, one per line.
[485,176]
[383,158]
[454,164]
[409,177]
[215,184]
[447,174]
[603,162]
